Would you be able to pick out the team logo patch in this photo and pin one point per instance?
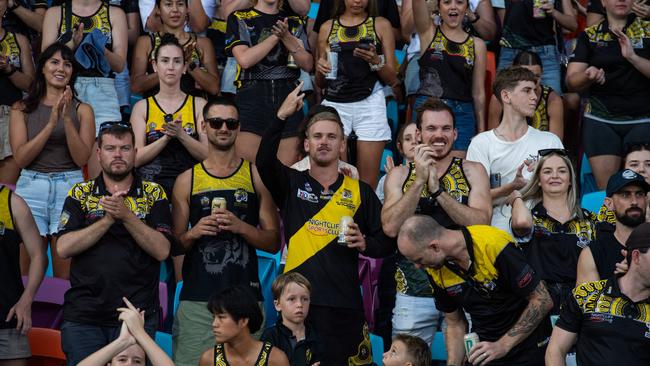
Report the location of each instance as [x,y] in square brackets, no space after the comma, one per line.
[241,196]
[307,187]
[306,196]
[524,278]
[205,201]
[628,174]
[63,220]
[346,194]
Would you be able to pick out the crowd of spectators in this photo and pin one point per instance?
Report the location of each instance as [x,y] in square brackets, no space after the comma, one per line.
[194,134]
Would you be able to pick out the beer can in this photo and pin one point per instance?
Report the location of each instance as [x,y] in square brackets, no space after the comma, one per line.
[538,12]
[333,58]
[470,340]
[218,202]
[343,227]
[291,62]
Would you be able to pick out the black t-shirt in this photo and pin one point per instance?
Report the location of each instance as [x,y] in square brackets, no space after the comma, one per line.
[305,352]
[13,23]
[553,248]
[310,223]
[216,262]
[12,284]
[626,91]
[611,328]
[250,27]
[606,251]
[595,6]
[493,291]
[116,266]
[385,8]
[522,30]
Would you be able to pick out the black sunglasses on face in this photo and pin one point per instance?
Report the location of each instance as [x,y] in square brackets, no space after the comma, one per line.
[545,152]
[107,125]
[216,123]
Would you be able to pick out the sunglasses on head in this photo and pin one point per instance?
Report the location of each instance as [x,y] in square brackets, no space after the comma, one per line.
[216,123]
[545,152]
[110,124]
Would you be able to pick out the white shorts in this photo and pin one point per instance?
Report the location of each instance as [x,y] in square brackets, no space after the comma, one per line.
[367,117]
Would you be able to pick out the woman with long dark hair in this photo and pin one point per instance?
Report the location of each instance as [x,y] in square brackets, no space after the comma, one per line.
[201,76]
[364,46]
[16,73]
[52,136]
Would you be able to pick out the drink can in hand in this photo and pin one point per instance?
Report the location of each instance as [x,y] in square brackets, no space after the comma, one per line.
[470,340]
[343,227]
[333,58]
[218,202]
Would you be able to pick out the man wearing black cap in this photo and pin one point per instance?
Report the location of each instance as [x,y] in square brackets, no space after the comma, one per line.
[609,319]
[626,197]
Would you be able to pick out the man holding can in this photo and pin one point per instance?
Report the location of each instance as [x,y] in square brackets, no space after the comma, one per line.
[480,270]
[231,214]
[312,204]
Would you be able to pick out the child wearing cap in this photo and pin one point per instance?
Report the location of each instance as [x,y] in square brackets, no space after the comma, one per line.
[291,296]
[407,350]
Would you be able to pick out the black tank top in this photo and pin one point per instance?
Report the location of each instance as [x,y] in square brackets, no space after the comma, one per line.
[12,284]
[355,81]
[262,358]
[447,67]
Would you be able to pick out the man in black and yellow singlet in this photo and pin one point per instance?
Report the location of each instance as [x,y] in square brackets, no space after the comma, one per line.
[116,228]
[453,191]
[17,226]
[609,320]
[312,204]
[220,246]
[479,269]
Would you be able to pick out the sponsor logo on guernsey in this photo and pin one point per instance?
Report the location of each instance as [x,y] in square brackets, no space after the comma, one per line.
[322,227]
[306,196]
[524,278]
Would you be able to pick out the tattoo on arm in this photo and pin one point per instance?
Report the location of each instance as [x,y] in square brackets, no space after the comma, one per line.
[539,304]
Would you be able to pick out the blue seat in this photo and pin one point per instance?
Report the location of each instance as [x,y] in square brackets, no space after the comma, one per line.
[438,349]
[593,201]
[177,296]
[268,266]
[377,344]
[384,156]
[587,180]
[164,341]
[392,109]
[313,11]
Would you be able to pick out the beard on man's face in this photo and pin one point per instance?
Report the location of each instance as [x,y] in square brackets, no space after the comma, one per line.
[631,220]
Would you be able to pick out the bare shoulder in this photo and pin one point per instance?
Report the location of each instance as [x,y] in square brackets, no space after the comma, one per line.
[473,168]
[207,358]
[278,358]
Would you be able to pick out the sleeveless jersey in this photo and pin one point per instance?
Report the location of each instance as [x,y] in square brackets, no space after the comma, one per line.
[174,158]
[12,284]
[540,120]
[99,20]
[410,280]
[10,48]
[216,262]
[262,358]
[355,81]
[447,67]
[188,85]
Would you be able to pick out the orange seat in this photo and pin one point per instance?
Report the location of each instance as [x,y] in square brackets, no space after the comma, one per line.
[45,345]
[490,75]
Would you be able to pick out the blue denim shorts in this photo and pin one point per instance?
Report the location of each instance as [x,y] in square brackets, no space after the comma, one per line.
[100,93]
[123,87]
[465,120]
[550,63]
[45,194]
[412,76]
[228,76]
[416,316]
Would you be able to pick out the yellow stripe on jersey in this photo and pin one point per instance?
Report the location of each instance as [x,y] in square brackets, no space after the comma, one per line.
[488,242]
[323,228]
[6,221]
[202,181]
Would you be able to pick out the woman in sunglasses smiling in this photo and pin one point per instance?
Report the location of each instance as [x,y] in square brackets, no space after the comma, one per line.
[549,222]
[167,125]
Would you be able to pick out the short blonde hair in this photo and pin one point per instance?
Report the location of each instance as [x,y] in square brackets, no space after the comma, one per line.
[285,279]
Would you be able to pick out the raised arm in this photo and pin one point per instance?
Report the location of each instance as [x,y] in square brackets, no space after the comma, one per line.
[33,18]
[485,25]
[207,76]
[423,23]
[199,20]
[566,18]
[556,115]
[478,84]
[119,34]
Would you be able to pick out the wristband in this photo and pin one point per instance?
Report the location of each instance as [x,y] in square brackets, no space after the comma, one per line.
[514,199]
[437,193]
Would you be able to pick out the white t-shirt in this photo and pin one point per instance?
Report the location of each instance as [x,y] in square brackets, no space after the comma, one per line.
[501,160]
[146,7]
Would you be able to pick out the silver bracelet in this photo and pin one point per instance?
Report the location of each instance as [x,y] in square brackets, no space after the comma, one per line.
[380,65]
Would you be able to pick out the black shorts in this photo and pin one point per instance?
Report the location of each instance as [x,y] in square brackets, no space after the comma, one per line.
[600,138]
[258,102]
[343,334]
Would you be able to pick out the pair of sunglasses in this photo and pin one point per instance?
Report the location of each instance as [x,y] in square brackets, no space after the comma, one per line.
[110,124]
[216,123]
[545,152]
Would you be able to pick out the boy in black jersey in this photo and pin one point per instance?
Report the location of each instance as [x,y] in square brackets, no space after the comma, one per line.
[312,203]
[297,339]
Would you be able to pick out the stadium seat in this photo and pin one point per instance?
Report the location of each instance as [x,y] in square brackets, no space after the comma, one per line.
[377,344]
[268,267]
[438,349]
[162,297]
[593,201]
[164,341]
[177,296]
[384,156]
[313,11]
[587,180]
[45,345]
[47,308]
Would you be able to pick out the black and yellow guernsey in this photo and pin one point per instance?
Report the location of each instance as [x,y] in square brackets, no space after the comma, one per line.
[262,359]
[412,281]
[494,291]
[216,262]
[12,284]
[311,218]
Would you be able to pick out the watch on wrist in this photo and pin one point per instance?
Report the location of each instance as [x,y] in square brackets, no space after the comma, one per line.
[437,192]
